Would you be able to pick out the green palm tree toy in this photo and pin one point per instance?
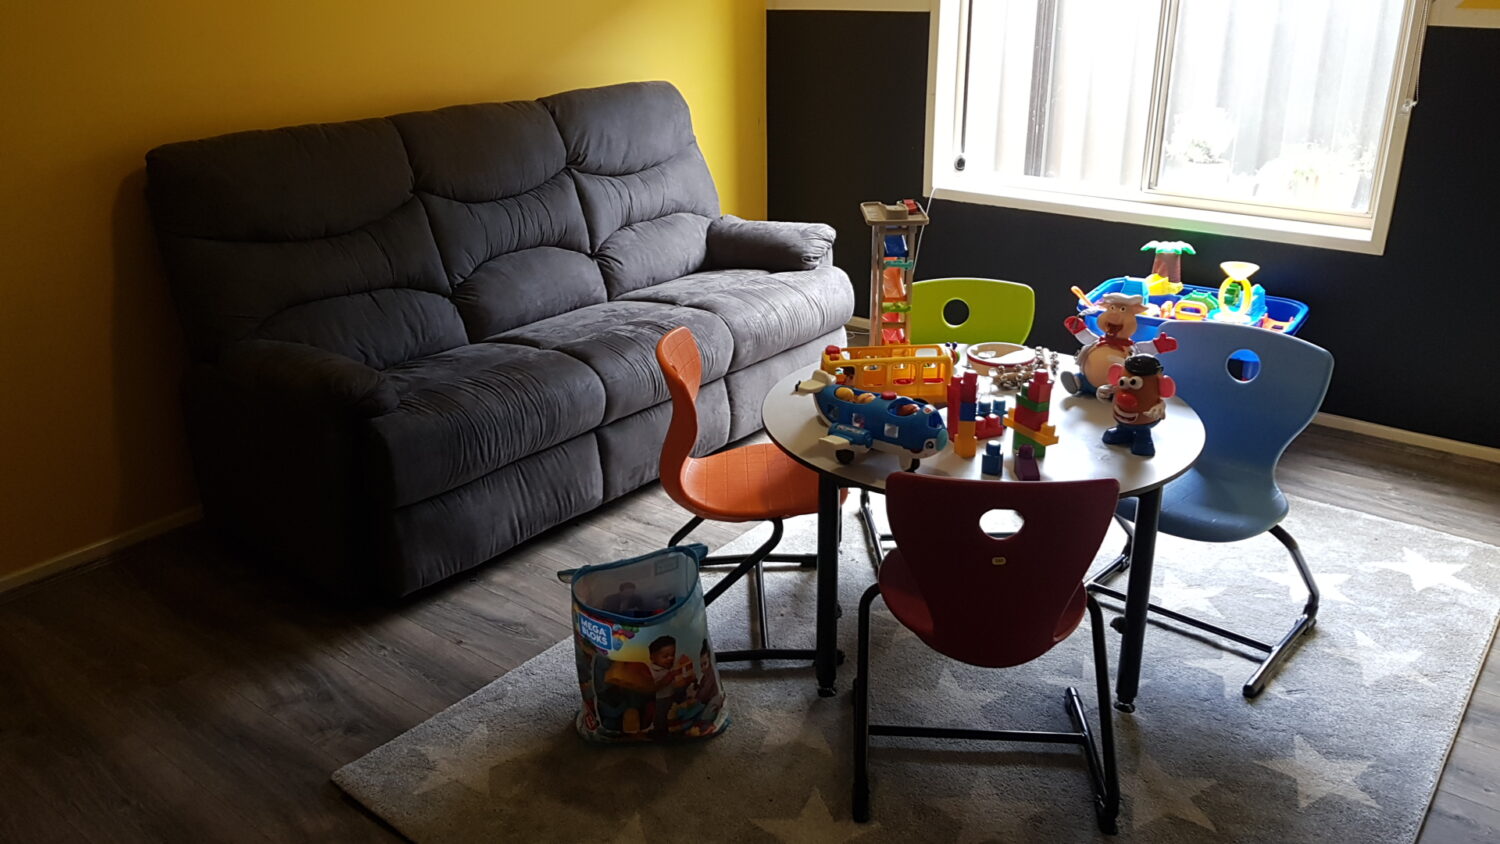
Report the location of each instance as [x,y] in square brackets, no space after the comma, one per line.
[1168,262]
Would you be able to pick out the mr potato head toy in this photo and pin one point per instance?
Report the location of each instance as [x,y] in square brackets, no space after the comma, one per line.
[1139,391]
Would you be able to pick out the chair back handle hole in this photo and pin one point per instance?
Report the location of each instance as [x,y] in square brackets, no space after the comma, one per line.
[1243,365]
[1000,524]
[956,312]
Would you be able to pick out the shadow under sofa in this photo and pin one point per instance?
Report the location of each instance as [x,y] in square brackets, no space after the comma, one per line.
[420,340]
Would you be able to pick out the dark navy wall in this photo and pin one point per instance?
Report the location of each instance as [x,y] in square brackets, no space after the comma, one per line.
[1415,332]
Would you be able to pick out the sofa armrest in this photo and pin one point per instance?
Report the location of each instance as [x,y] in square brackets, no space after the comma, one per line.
[308,376]
[734,243]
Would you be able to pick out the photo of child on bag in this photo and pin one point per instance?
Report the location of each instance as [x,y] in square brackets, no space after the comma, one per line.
[638,626]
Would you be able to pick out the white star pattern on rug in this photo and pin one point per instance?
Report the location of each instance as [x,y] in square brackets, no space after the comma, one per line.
[790,726]
[631,833]
[815,824]
[998,819]
[1174,594]
[1233,670]
[466,764]
[1376,661]
[1424,573]
[1328,585]
[1153,794]
[1318,776]
[967,700]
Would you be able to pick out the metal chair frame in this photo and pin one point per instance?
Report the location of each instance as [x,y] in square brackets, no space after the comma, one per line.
[752,564]
[1104,776]
[1275,654]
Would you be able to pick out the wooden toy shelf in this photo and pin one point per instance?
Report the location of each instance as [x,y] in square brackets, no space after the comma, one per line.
[895,240]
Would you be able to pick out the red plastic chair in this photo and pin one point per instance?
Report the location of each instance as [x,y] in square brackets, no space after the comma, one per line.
[993,602]
[747,484]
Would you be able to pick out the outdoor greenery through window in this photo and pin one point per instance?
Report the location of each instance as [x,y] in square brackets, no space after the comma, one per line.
[1244,111]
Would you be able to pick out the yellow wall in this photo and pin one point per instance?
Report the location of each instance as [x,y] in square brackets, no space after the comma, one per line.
[91,443]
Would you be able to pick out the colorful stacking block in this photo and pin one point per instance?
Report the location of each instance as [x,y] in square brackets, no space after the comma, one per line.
[990,462]
[1024,465]
[963,404]
[1029,417]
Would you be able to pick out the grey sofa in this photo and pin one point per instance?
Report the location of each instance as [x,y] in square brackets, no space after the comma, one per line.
[419,340]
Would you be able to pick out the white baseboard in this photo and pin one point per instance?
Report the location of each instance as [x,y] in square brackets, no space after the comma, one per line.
[96,551]
[1399,435]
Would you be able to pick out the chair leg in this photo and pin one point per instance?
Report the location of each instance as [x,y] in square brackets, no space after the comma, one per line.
[1282,649]
[751,565]
[1275,654]
[1100,757]
[682,532]
[1121,563]
[873,537]
[1107,789]
[861,801]
[758,592]
[806,561]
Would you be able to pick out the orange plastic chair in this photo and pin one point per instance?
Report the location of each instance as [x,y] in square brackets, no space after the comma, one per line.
[747,484]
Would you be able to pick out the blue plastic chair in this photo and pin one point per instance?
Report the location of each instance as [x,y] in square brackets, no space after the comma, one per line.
[1230,493]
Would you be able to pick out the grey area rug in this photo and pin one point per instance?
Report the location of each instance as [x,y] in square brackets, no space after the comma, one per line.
[1345,745]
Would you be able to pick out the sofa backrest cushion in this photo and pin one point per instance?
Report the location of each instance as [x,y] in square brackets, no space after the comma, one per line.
[310,234]
[504,212]
[645,189]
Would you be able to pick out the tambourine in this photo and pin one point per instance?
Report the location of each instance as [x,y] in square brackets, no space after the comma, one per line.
[999,360]
[1009,364]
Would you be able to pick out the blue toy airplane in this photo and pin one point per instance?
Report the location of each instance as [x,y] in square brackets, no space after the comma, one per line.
[859,421]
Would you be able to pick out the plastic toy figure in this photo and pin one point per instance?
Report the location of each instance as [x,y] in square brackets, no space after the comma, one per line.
[1139,391]
[1168,260]
[1100,352]
[860,421]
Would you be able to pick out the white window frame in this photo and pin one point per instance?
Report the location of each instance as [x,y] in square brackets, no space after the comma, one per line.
[1364,233]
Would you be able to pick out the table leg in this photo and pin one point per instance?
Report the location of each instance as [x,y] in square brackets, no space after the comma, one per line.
[1138,595]
[829,514]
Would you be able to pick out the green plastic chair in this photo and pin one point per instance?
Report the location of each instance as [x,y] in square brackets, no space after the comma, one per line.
[998,311]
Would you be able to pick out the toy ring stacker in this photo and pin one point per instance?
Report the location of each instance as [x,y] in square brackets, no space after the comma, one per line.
[1009,364]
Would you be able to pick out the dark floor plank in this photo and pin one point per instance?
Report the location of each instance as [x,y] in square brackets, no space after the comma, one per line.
[1482,720]
[35,825]
[86,758]
[1473,772]
[497,628]
[1396,482]
[1455,820]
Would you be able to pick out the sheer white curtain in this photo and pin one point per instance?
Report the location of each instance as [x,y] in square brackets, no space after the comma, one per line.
[1278,101]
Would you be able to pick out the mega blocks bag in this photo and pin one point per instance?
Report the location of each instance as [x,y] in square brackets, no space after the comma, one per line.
[645,666]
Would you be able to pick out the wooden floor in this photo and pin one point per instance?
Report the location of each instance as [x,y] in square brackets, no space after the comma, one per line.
[180,693]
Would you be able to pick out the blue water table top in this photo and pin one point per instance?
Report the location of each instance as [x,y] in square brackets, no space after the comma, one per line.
[1286,315]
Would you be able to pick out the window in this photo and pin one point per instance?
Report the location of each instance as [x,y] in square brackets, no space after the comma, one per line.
[1275,119]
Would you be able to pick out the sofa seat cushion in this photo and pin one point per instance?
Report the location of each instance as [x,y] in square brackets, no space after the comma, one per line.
[466,412]
[617,340]
[767,313]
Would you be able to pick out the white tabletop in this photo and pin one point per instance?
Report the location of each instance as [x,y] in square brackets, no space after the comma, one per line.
[792,422]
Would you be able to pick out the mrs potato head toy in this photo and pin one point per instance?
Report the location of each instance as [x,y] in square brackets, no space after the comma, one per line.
[1101,352]
[1139,392]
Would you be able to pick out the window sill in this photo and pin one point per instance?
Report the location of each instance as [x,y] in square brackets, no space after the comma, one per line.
[1320,235]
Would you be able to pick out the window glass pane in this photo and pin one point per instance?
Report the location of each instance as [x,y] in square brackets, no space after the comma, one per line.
[1098,102]
[1279,101]
[1061,90]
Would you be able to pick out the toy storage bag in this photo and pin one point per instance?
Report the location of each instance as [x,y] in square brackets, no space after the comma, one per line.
[640,635]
